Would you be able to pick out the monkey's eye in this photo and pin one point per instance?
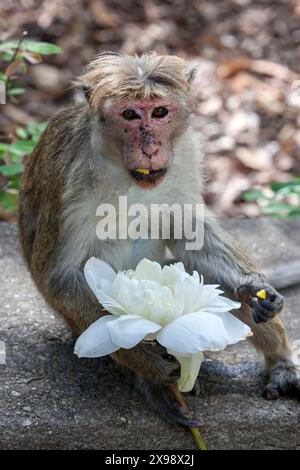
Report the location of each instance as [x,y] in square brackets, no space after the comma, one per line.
[159,112]
[130,114]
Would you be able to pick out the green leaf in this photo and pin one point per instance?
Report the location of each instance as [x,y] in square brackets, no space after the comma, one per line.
[3,147]
[16,91]
[253,195]
[6,57]
[16,158]
[44,48]
[9,200]
[22,133]
[8,45]
[22,147]
[14,182]
[276,207]
[294,212]
[277,185]
[284,192]
[5,46]
[13,169]
[36,130]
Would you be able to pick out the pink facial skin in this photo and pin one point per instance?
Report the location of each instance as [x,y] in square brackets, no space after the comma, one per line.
[146,129]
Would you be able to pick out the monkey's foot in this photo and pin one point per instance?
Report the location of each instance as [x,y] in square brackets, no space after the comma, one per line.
[162,399]
[283,382]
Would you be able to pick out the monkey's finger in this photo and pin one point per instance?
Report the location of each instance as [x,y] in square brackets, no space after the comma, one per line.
[255,317]
[259,317]
[274,390]
[273,304]
[262,309]
[168,357]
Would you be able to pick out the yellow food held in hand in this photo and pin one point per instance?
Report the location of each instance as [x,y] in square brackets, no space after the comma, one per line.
[143,171]
[261,294]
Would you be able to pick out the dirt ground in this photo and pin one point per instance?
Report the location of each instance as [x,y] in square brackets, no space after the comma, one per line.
[247,86]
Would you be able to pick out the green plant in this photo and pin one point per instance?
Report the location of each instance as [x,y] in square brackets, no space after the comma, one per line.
[281,200]
[12,156]
[14,57]
[16,54]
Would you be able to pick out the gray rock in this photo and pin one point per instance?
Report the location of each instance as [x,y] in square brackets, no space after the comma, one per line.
[52,400]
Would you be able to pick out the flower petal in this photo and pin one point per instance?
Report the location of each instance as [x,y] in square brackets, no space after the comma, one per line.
[202,331]
[96,340]
[221,304]
[96,270]
[172,273]
[148,270]
[194,332]
[236,329]
[190,366]
[128,330]
[110,304]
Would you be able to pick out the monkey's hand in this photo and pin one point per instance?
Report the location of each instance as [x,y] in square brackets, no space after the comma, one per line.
[163,369]
[263,308]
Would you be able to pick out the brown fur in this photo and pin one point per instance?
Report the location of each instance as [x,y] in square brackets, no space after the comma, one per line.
[113,74]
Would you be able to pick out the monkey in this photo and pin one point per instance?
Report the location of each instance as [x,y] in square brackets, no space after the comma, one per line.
[134,135]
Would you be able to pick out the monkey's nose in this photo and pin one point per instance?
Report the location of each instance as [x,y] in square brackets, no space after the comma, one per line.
[149,146]
[150,151]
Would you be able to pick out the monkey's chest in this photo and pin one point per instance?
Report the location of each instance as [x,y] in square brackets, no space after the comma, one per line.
[126,254]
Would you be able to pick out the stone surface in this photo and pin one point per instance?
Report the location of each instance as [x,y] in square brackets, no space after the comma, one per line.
[51,400]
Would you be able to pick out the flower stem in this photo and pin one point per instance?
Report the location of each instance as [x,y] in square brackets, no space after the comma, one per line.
[195,431]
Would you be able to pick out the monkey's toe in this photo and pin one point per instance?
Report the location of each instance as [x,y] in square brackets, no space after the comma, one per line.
[175,413]
[273,392]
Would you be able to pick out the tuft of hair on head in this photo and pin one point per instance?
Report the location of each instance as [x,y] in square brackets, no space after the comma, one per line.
[130,76]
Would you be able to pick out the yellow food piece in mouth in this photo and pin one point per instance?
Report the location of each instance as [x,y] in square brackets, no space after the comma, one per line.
[142,170]
[261,294]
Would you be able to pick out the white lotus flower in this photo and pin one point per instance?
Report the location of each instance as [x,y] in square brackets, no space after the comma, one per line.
[183,314]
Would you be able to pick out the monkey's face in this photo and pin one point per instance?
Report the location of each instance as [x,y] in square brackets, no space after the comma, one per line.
[146,130]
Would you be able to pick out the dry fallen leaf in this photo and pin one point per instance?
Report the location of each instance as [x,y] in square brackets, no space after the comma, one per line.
[13,67]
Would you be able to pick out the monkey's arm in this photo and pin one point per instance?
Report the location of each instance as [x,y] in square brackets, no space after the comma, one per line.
[221,261]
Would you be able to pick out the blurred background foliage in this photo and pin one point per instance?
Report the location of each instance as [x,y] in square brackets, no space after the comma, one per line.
[247,89]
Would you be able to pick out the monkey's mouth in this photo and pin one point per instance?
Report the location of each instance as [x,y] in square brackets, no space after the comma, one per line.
[148,178]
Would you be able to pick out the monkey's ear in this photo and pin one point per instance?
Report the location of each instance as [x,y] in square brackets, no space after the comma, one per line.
[87,91]
[191,73]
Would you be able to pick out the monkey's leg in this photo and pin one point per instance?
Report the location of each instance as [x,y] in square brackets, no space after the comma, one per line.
[271,339]
[150,370]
